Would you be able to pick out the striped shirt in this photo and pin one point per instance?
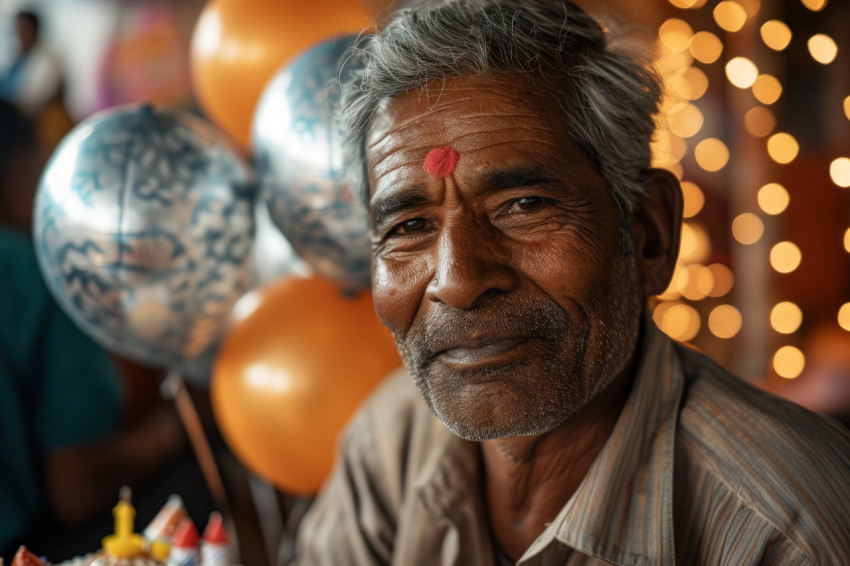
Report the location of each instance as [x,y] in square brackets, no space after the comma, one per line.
[701,468]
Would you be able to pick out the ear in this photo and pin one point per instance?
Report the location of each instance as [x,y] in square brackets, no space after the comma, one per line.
[656,226]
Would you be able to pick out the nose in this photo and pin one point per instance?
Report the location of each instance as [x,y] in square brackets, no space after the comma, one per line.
[471,262]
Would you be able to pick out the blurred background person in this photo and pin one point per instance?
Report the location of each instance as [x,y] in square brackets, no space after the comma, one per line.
[67,446]
[35,76]
[35,81]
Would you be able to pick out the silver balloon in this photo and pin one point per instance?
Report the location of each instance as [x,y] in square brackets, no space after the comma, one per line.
[297,149]
[272,258]
[143,229]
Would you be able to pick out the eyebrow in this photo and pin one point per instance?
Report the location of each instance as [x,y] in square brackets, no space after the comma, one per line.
[513,179]
[384,207]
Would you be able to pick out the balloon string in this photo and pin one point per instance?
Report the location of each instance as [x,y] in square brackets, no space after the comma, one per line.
[174,386]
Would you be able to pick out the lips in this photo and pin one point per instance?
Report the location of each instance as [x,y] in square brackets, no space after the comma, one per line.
[481,350]
[502,330]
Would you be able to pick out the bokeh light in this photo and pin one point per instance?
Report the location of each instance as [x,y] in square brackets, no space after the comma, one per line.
[786,317]
[675,34]
[659,309]
[705,281]
[730,15]
[672,290]
[667,149]
[699,83]
[785,257]
[678,87]
[677,170]
[747,228]
[689,286]
[822,48]
[688,4]
[693,199]
[847,107]
[725,321]
[773,198]
[681,322]
[759,121]
[814,5]
[782,147]
[847,240]
[751,7]
[711,154]
[705,47]
[685,120]
[694,245]
[788,362]
[741,72]
[776,34]
[722,278]
[839,171]
[767,89]
[672,61]
[844,316]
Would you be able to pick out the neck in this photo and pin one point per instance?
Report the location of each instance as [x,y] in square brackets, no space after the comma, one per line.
[528,479]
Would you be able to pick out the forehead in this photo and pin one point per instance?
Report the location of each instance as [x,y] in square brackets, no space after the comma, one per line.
[482,120]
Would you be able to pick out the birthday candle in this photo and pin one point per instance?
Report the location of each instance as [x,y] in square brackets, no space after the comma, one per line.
[124,543]
[165,523]
[26,558]
[215,546]
[184,545]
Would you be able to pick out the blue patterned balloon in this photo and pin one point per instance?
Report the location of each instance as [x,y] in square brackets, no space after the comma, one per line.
[296,141]
[272,258]
[143,229]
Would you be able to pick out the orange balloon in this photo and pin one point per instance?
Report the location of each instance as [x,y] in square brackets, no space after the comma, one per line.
[238,45]
[292,372]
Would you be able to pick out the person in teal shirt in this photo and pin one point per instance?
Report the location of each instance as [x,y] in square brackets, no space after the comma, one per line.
[65,450]
[58,389]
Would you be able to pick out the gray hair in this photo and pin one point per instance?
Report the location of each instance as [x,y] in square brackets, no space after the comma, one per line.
[608,91]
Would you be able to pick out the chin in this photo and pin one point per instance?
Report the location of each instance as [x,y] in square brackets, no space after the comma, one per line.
[501,409]
[475,432]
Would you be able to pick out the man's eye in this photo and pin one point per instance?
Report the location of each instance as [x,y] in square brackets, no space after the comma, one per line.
[526,204]
[410,226]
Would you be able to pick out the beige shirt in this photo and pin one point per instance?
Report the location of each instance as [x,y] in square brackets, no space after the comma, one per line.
[701,468]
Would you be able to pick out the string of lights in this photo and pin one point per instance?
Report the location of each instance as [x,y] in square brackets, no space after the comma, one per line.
[700,294]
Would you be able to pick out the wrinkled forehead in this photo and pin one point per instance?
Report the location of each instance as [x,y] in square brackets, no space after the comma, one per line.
[470,115]
[461,98]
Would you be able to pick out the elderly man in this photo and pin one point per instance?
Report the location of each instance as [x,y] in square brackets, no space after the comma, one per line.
[518,228]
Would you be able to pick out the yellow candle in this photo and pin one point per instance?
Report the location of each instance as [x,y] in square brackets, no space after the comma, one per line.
[124,544]
[124,514]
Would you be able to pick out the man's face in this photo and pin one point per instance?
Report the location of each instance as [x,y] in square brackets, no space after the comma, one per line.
[502,282]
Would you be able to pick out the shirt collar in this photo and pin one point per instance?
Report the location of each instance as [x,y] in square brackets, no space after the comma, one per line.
[622,512]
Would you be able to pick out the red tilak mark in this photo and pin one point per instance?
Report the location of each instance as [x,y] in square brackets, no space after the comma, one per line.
[441,161]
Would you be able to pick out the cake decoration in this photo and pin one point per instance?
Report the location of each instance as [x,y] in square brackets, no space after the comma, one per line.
[184,545]
[215,546]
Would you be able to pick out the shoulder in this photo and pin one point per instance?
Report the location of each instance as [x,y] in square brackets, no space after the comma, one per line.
[388,422]
[778,460]
[354,518]
[752,421]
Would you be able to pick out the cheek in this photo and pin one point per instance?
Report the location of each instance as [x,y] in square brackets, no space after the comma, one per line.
[562,269]
[398,288]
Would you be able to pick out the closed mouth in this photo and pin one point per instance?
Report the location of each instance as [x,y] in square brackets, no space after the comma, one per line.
[481,351]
